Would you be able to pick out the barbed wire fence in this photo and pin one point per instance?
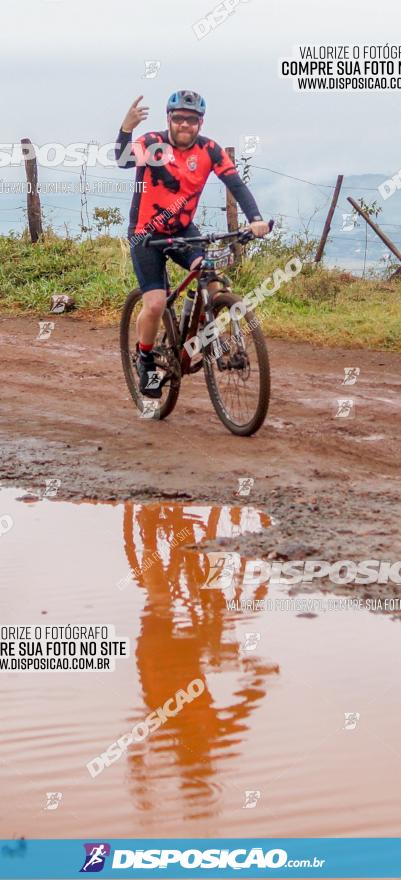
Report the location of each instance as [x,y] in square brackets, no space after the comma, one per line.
[211,216]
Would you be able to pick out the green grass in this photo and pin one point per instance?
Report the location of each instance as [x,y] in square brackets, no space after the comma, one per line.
[319,306]
[97,273]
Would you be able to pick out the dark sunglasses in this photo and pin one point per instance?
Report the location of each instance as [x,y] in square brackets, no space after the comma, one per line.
[178,118]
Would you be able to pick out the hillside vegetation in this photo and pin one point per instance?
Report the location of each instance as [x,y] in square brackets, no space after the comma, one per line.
[327,307]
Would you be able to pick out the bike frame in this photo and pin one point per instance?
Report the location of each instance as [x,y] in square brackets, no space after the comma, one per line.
[202,301]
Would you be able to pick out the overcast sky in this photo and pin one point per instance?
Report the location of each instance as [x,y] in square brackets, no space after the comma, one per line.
[72,68]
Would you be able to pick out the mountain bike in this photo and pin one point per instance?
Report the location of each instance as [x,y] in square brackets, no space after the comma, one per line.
[210,334]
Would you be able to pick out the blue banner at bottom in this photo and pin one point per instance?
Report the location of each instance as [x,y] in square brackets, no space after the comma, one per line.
[185,858]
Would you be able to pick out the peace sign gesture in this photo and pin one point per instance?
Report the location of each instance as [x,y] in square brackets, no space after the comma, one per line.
[135,115]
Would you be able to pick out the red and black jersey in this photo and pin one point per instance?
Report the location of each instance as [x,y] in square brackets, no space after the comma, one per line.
[170,198]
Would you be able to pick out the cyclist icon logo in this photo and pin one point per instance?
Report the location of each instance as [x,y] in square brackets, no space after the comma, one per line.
[95,856]
[244,485]
[53,800]
[222,570]
[351,375]
[349,222]
[250,145]
[151,69]
[52,487]
[251,640]
[251,799]
[153,381]
[351,720]
[149,410]
[345,408]
[45,330]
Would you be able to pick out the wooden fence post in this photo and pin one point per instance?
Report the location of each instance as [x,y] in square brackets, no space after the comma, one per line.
[33,200]
[232,212]
[385,239]
[327,225]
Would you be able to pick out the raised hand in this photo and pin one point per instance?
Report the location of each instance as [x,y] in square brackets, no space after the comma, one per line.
[135,115]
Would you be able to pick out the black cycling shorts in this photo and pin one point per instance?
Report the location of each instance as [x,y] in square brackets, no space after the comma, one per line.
[149,262]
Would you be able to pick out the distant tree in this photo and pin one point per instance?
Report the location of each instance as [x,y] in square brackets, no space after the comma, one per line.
[104,218]
[372,210]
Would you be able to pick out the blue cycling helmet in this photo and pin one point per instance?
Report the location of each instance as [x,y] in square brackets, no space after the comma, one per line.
[185,100]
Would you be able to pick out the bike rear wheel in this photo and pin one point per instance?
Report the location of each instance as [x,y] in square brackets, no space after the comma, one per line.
[239,392]
[165,360]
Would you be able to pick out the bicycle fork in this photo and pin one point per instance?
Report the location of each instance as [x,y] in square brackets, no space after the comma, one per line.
[216,348]
[219,349]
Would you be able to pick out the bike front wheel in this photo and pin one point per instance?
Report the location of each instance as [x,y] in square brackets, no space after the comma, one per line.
[236,366]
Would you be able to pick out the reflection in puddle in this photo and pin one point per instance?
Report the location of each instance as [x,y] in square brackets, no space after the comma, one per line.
[263,751]
[186,632]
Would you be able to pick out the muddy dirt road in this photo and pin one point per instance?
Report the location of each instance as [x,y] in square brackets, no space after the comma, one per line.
[332,484]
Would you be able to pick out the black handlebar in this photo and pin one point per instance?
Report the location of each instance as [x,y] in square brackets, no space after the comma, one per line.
[243,236]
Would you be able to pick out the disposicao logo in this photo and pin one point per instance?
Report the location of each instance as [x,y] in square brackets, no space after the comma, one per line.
[188,859]
[95,857]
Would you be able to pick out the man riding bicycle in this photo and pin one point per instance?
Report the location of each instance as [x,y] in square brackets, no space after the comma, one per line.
[169,185]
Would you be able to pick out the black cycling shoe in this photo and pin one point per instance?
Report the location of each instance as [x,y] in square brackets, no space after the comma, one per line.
[149,381]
